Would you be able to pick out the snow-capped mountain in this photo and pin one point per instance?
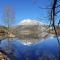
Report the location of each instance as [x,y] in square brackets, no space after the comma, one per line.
[30,22]
[30,30]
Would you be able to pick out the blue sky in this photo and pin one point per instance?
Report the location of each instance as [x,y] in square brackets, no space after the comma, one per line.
[25,9]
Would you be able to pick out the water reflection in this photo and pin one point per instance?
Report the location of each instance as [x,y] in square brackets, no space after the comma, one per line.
[17,50]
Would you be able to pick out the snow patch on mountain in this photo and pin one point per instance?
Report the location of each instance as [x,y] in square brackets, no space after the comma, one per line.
[30,22]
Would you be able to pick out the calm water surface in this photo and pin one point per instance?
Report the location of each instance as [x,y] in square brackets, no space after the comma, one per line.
[47,49]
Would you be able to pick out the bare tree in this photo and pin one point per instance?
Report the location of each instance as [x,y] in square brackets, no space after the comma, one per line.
[9,16]
[54,16]
[9,19]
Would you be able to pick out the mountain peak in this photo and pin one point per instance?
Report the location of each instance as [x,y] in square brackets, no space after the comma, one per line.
[30,22]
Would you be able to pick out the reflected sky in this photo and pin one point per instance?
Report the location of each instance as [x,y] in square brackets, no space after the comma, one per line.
[21,51]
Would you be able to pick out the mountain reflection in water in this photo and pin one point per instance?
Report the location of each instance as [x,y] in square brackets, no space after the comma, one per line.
[46,50]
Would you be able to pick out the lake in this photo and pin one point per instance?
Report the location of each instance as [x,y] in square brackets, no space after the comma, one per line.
[47,49]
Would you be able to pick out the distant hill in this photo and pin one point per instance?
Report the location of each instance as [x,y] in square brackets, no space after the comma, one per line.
[30,31]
